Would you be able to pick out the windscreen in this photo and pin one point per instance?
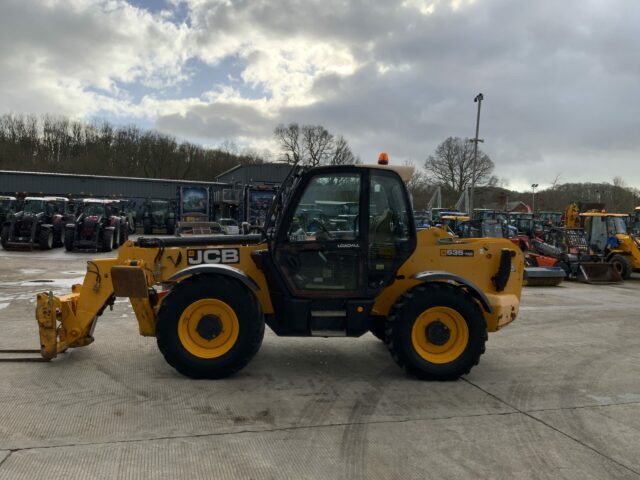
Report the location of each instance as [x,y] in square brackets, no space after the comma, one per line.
[34,206]
[93,209]
[617,225]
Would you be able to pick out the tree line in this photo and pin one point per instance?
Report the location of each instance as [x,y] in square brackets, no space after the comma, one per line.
[61,145]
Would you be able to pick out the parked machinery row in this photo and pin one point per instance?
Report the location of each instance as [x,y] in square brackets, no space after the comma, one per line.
[586,242]
[49,222]
[101,225]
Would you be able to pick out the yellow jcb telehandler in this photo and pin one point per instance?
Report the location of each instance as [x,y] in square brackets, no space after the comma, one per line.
[319,268]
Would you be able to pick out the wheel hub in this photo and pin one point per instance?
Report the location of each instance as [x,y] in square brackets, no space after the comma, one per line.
[209,327]
[437,333]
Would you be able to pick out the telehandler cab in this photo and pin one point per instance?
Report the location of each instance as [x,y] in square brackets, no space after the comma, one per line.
[430,297]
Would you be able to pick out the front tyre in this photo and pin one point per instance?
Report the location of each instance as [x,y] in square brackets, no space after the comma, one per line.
[147,226]
[436,332]
[622,264]
[106,245]
[69,238]
[171,227]
[209,327]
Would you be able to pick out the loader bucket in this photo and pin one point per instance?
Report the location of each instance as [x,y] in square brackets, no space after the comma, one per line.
[543,276]
[598,273]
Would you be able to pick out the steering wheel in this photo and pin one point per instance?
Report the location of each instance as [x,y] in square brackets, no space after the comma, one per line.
[321,227]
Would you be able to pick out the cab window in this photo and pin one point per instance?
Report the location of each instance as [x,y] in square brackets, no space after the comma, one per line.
[390,230]
[327,210]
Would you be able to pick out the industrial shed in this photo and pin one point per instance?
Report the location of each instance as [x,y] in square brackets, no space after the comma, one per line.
[72,185]
[260,174]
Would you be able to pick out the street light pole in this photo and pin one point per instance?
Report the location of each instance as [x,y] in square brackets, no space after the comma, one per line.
[475,141]
[533,197]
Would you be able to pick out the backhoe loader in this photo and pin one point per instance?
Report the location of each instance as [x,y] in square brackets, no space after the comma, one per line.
[430,297]
[607,235]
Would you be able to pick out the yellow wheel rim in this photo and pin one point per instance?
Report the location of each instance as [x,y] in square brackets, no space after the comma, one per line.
[208,328]
[439,335]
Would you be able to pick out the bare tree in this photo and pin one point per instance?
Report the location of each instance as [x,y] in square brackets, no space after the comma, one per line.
[418,185]
[313,145]
[452,164]
[342,154]
[619,182]
[289,140]
[318,144]
[556,181]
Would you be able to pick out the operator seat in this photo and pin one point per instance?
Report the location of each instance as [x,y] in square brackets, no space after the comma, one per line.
[381,228]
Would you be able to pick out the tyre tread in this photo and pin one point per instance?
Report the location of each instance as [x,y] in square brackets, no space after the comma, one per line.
[397,315]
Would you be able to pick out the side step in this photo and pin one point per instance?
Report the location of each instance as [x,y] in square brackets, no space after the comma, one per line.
[329,323]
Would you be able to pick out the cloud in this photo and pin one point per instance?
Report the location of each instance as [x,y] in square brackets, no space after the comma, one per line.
[559,78]
[55,56]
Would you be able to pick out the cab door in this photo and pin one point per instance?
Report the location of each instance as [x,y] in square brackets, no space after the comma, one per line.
[320,250]
[391,233]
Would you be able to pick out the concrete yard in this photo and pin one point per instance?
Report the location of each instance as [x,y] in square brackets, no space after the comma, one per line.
[557,395]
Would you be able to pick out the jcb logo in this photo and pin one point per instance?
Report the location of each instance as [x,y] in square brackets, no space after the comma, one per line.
[213,255]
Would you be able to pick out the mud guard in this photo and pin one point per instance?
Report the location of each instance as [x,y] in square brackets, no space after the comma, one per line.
[474,291]
[224,270]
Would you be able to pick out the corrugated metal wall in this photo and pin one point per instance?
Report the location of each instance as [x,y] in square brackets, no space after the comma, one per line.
[259,174]
[86,185]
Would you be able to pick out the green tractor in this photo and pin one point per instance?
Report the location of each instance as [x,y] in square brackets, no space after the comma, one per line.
[8,205]
[159,214]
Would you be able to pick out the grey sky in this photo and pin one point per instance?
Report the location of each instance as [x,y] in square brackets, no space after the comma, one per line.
[560,79]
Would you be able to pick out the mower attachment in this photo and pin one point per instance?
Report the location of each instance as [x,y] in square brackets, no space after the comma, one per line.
[543,276]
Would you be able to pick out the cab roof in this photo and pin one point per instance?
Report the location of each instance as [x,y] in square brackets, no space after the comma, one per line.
[3,197]
[48,199]
[405,172]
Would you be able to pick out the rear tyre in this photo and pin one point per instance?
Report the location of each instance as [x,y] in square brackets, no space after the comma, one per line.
[147,226]
[209,327]
[4,236]
[69,236]
[622,265]
[107,241]
[45,239]
[58,239]
[436,332]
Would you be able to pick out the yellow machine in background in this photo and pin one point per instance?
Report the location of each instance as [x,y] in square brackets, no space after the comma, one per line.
[317,269]
[607,234]
[452,223]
